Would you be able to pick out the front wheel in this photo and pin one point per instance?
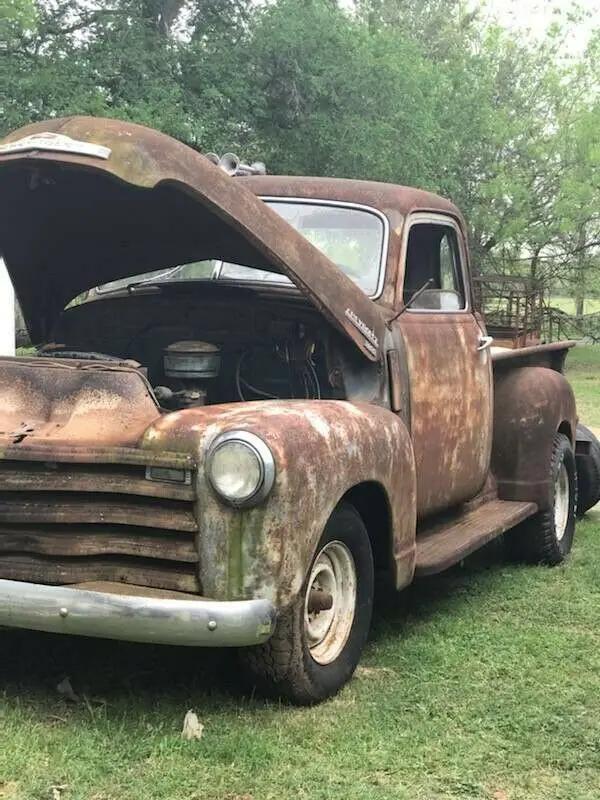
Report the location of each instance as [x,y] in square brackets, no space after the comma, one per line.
[547,537]
[319,639]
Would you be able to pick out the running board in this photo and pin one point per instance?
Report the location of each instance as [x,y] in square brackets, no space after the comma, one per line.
[447,543]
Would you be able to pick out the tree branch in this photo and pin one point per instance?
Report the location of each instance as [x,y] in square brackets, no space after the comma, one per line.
[82,23]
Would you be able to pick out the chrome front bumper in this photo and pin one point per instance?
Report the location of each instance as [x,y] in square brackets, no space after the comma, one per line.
[134,618]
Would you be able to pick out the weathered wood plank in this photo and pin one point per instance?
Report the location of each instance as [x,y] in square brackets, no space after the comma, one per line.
[93,455]
[98,541]
[27,508]
[37,569]
[88,480]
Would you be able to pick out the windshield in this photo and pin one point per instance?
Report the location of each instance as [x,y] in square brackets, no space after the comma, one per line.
[353,238]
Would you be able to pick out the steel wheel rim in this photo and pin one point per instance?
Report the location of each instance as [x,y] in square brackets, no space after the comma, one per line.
[562,497]
[327,630]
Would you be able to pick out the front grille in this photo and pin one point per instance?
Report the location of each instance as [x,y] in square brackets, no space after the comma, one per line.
[67,523]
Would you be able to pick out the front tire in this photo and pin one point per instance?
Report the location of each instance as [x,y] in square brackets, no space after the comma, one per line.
[319,638]
[547,537]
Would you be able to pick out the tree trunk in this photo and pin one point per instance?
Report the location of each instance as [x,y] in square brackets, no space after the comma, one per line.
[580,273]
[534,263]
[162,14]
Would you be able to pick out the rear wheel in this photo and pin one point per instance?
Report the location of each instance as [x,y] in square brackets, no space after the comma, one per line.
[319,639]
[547,537]
[588,471]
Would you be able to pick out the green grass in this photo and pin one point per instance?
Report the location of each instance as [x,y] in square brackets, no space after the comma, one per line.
[567,304]
[481,683]
[583,371]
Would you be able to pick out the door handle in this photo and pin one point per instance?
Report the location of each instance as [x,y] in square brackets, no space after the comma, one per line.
[484,343]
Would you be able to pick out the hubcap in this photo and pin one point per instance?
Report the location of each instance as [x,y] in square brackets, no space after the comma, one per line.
[561,502]
[330,602]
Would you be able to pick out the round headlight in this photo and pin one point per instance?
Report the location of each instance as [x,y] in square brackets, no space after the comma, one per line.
[240,468]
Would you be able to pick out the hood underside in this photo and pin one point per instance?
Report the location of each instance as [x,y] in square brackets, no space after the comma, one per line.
[116,199]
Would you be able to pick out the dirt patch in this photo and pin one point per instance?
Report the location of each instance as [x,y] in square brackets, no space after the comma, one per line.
[9,789]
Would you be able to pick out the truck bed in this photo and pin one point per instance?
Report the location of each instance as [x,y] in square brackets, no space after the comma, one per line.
[550,355]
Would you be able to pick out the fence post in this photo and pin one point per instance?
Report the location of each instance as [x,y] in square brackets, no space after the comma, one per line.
[7,313]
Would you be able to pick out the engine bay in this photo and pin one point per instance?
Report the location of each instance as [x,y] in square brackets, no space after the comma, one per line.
[218,345]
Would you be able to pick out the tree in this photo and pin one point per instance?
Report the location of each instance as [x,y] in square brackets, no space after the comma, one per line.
[422,93]
[331,97]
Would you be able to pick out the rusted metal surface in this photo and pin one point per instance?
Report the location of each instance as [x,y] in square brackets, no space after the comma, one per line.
[265,551]
[62,402]
[441,546]
[451,409]
[24,476]
[242,554]
[69,570]
[164,204]
[89,537]
[124,589]
[551,355]
[87,507]
[71,536]
[74,540]
[387,197]
[530,405]
[319,600]
[512,306]
[50,452]
[75,503]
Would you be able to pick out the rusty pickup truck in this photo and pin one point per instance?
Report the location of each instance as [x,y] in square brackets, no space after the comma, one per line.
[275,389]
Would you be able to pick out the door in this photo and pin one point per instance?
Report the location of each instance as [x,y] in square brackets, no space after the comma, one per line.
[449,366]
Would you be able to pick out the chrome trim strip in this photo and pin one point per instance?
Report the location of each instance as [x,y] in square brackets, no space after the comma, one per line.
[192,623]
[318,201]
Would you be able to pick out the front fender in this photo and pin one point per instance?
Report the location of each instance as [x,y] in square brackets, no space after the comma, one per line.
[321,449]
[530,405]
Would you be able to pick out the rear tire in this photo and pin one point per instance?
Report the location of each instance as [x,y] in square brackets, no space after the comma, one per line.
[547,537]
[312,654]
[588,472]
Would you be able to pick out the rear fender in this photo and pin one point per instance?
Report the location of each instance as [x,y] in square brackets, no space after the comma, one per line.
[322,449]
[530,405]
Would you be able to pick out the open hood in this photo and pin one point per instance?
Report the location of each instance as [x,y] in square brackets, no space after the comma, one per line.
[87,200]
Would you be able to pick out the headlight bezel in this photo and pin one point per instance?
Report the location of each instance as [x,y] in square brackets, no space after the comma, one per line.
[262,452]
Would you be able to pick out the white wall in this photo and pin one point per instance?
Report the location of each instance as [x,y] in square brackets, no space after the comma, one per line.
[7,314]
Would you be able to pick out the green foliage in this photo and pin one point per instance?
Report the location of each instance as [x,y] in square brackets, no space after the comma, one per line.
[333,99]
[423,93]
[19,14]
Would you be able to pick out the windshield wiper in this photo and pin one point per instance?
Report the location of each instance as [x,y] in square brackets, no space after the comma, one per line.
[412,299]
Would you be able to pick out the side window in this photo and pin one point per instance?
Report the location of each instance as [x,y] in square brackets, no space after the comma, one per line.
[433,255]
[449,269]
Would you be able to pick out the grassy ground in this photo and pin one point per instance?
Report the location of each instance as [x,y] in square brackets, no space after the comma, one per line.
[583,370]
[481,683]
[567,304]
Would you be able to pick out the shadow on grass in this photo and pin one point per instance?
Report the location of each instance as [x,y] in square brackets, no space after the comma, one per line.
[397,616]
[33,663]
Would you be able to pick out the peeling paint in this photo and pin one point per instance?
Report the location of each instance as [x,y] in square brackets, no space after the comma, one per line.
[85,446]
